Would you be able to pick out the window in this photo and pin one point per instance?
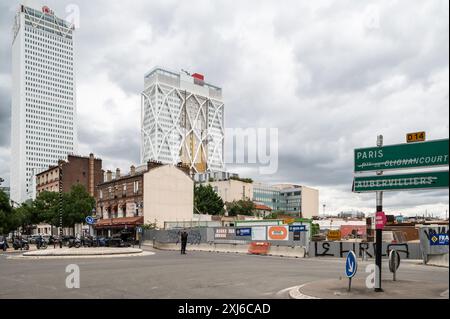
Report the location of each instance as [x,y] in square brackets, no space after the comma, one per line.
[135,186]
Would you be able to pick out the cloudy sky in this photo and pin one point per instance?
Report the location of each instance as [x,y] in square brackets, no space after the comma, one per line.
[330,75]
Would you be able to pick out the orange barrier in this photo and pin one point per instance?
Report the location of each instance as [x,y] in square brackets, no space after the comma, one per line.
[258,248]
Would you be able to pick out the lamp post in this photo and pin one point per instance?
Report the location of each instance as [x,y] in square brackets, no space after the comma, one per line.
[60,175]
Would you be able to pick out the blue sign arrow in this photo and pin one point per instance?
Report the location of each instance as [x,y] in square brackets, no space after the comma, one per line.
[90,220]
[439,240]
[351,264]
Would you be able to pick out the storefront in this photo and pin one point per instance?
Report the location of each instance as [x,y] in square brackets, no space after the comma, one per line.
[110,226]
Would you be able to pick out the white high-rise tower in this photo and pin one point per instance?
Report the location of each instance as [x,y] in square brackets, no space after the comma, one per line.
[43,117]
[182,120]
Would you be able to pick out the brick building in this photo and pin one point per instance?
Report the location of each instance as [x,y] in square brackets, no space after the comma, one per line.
[84,170]
[120,200]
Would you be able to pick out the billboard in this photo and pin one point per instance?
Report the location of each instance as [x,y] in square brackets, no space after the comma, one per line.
[278,233]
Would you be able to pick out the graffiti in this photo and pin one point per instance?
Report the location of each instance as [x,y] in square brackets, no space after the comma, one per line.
[437,230]
[173,236]
[340,249]
[194,237]
[325,247]
[405,250]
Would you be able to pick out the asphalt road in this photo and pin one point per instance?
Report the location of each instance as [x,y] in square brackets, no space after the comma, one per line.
[167,274]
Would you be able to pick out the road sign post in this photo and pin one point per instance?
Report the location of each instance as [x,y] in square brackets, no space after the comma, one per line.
[378,230]
[351,266]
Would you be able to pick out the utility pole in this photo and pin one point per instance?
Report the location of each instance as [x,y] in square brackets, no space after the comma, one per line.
[378,232]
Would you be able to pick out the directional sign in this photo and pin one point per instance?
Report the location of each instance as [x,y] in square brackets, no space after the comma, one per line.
[351,265]
[415,137]
[409,155]
[439,239]
[398,182]
[90,220]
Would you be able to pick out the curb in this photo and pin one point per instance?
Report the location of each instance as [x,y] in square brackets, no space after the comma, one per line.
[296,294]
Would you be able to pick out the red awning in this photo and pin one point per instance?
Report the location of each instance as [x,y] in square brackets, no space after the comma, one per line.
[119,222]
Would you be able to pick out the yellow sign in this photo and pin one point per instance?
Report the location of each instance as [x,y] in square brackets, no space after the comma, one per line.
[415,137]
[334,235]
[288,221]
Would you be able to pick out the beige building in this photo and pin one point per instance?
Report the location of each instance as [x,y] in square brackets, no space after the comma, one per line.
[168,195]
[232,190]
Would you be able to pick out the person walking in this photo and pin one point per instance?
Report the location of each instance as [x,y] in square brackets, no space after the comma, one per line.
[184,237]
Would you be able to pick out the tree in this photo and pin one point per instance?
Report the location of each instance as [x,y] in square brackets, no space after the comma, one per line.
[6,212]
[241,207]
[207,201]
[77,205]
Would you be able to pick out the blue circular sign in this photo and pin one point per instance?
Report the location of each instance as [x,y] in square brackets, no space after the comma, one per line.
[90,220]
[351,265]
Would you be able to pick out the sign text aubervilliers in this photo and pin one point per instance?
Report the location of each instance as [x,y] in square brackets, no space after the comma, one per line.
[423,180]
[410,155]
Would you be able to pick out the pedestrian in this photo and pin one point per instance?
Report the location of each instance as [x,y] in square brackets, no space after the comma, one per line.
[184,237]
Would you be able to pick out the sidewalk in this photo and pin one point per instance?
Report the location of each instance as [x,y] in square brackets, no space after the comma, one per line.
[401,289]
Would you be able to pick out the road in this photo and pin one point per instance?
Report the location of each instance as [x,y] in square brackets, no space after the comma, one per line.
[167,274]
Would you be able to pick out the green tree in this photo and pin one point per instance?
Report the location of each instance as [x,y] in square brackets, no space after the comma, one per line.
[6,214]
[207,201]
[241,207]
[77,204]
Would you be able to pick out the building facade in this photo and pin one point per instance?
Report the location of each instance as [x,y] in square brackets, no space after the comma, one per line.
[152,193]
[86,171]
[295,200]
[182,121]
[43,112]
[232,190]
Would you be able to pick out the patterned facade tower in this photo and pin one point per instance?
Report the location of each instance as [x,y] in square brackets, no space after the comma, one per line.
[182,121]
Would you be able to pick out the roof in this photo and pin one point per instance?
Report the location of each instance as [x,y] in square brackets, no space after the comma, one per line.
[262,207]
[119,222]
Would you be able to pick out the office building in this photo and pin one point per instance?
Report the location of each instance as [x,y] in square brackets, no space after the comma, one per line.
[43,116]
[182,121]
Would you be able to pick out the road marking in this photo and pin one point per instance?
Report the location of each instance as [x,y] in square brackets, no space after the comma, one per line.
[282,291]
[444,294]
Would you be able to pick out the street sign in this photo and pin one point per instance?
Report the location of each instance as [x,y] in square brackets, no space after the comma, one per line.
[334,235]
[398,182]
[351,265]
[400,156]
[90,220]
[415,137]
[139,230]
[380,220]
[243,232]
[439,239]
[394,262]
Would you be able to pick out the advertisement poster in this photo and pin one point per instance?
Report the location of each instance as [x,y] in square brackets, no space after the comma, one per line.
[259,233]
[278,233]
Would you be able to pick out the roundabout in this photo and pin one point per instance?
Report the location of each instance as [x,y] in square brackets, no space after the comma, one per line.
[91,252]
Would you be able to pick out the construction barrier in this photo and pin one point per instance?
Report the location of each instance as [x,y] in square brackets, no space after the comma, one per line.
[258,248]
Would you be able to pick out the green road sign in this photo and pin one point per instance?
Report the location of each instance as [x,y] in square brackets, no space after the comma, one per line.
[422,154]
[428,180]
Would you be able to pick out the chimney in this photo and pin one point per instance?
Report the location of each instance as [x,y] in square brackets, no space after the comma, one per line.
[91,175]
[153,164]
[117,173]
[132,170]
[108,175]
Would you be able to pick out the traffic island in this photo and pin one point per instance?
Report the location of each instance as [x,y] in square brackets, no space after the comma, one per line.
[91,252]
[400,289]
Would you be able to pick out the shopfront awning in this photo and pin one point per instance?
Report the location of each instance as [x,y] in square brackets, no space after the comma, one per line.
[119,222]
